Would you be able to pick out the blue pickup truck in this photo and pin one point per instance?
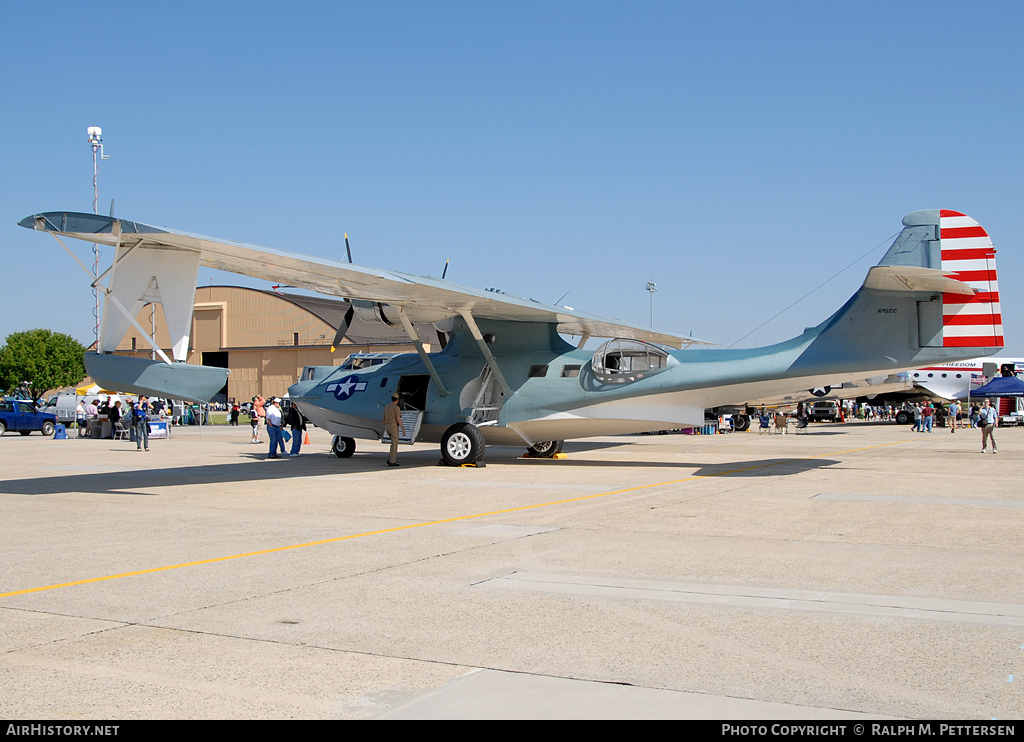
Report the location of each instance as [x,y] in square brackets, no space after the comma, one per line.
[24,418]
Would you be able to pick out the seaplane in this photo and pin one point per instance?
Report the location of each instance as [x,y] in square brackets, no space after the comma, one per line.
[505,374]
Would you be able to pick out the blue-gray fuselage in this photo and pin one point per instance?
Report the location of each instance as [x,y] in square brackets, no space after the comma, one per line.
[560,392]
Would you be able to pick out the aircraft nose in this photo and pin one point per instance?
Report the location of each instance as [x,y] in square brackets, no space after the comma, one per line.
[300,389]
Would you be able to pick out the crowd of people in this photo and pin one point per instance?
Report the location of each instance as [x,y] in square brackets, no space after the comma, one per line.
[268,415]
[953,415]
[130,416]
[984,416]
[274,419]
[927,416]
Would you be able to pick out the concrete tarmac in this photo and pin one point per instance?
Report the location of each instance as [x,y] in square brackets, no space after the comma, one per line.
[860,569]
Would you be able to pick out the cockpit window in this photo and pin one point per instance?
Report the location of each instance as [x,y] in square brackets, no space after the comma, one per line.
[621,360]
[358,361]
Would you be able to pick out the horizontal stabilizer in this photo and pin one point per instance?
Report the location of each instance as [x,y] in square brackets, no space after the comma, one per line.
[909,278]
[143,376]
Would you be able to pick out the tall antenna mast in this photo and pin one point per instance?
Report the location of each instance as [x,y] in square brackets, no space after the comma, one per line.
[96,142]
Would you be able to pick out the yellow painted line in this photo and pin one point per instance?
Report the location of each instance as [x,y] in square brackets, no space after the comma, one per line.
[429,523]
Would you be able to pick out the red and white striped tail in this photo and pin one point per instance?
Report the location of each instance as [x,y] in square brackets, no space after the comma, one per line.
[968,256]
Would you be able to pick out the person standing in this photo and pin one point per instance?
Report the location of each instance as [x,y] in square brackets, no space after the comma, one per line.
[274,428]
[297,422]
[392,424]
[80,417]
[927,412]
[92,413]
[254,421]
[126,419]
[259,410]
[114,414]
[953,414]
[140,417]
[917,418]
[987,420]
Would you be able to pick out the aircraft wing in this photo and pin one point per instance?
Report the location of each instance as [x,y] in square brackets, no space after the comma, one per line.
[341,279]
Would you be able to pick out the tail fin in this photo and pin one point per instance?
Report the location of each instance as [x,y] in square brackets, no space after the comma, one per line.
[968,256]
[952,246]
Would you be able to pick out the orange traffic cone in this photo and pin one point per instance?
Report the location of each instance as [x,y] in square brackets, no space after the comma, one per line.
[306,441]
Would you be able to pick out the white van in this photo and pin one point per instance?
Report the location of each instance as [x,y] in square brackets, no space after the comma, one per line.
[63,406]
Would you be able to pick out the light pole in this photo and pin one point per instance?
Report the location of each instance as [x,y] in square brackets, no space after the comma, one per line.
[652,287]
[96,142]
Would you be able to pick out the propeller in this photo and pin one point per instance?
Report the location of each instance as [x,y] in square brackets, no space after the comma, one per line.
[343,327]
[347,321]
[442,339]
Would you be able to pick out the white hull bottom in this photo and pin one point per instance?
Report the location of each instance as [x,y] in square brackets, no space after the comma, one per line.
[666,411]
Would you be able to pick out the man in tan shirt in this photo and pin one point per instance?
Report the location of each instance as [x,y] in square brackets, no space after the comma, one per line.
[392,424]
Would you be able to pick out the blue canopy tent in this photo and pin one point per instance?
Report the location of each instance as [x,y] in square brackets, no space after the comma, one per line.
[1001,386]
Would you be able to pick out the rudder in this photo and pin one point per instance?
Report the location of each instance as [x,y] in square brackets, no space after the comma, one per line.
[952,247]
[969,256]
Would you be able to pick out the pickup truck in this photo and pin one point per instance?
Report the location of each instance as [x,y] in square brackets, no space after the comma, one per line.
[24,418]
[827,410]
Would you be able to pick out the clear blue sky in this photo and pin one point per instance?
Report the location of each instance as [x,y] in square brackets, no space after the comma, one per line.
[737,153]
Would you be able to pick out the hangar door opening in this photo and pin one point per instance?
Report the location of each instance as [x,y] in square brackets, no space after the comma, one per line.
[218,359]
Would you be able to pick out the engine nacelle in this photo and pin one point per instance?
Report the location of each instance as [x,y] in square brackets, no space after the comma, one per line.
[375,311]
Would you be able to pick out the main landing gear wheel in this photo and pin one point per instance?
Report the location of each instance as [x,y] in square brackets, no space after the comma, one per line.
[903,417]
[343,447]
[740,423]
[546,449]
[462,443]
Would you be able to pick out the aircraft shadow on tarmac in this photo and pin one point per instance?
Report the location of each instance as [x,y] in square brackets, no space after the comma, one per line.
[252,468]
[754,468]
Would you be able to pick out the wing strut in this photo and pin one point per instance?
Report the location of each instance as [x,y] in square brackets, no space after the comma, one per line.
[478,336]
[108,294]
[411,332]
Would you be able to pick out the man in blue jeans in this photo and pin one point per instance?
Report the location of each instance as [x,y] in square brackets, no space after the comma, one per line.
[927,413]
[140,420]
[274,428]
[298,425]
